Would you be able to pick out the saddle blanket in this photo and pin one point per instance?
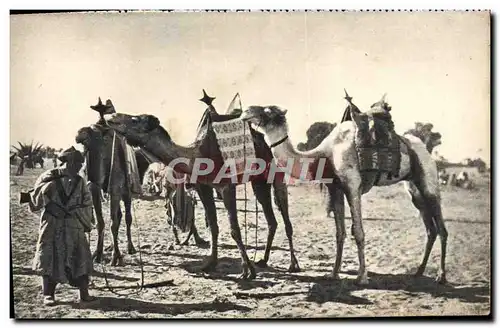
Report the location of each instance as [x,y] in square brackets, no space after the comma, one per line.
[132,170]
[235,142]
[386,158]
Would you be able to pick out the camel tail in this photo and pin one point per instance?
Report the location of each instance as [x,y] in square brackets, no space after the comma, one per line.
[427,163]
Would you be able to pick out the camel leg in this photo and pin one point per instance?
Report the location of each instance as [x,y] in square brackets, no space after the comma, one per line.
[420,203]
[434,204]
[336,200]
[262,192]
[281,201]
[353,194]
[430,193]
[229,197]
[206,194]
[200,242]
[170,213]
[110,246]
[443,236]
[127,200]
[117,258]
[96,200]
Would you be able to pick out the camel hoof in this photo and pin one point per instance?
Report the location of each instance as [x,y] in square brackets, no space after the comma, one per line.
[131,249]
[334,276]
[202,243]
[441,279]
[97,257]
[261,263]
[419,273]
[248,274]
[117,260]
[294,267]
[362,281]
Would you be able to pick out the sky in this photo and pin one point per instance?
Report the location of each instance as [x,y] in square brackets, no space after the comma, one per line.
[434,67]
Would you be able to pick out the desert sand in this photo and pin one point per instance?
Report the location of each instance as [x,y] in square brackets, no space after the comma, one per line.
[395,239]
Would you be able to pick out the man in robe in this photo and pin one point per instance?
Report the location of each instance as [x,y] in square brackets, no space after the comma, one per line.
[62,252]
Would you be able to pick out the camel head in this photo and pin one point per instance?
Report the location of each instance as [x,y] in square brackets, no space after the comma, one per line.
[432,140]
[84,136]
[135,128]
[265,118]
[382,104]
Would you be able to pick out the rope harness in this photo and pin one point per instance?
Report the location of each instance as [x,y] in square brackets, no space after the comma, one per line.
[140,287]
[246,198]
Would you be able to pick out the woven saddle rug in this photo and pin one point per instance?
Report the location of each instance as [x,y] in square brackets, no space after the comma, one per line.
[377,144]
[235,143]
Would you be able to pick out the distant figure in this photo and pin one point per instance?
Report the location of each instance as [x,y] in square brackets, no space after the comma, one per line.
[155,178]
[452,181]
[464,181]
[462,177]
[63,251]
[20,168]
[54,161]
[443,177]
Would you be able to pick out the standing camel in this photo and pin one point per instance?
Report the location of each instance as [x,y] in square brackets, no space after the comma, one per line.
[280,189]
[417,169]
[106,170]
[109,175]
[146,132]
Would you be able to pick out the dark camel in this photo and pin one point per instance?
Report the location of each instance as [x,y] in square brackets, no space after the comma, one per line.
[417,169]
[106,171]
[146,132]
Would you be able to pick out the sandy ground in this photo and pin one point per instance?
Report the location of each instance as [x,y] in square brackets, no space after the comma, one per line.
[395,239]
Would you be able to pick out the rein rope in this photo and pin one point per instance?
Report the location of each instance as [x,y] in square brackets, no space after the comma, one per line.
[140,287]
[256,204]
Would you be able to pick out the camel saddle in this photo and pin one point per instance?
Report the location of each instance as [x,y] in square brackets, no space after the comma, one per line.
[377,144]
[101,175]
[207,138]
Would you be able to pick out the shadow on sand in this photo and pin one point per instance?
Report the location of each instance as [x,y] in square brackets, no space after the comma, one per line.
[129,304]
[228,269]
[324,289]
[25,271]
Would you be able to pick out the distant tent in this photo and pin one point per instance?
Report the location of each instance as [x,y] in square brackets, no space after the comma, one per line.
[235,105]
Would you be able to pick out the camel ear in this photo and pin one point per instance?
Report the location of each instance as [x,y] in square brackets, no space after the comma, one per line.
[383,98]
[355,115]
[153,122]
[283,112]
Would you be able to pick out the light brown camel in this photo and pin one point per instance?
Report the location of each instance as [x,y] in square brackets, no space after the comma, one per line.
[146,132]
[417,168]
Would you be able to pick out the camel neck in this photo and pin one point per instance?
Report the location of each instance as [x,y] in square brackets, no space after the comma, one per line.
[168,152]
[283,148]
